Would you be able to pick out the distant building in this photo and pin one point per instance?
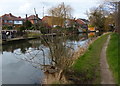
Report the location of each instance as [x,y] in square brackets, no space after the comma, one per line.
[70,23]
[84,20]
[0,21]
[53,21]
[33,19]
[10,20]
[83,25]
[91,29]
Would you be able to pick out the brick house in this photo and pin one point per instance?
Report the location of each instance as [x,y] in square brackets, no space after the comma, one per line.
[83,25]
[33,19]
[10,20]
[0,22]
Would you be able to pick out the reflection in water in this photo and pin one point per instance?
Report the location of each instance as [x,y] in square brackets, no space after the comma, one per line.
[91,34]
[50,54]
[14,46]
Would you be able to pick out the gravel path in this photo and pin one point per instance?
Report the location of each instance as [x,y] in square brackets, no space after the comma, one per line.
[106,75]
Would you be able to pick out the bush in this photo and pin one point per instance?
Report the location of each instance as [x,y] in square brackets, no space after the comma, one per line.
[21,28]
[7,27]
[27,24]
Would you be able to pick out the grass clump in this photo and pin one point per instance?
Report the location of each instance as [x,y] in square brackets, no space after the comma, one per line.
[112,55]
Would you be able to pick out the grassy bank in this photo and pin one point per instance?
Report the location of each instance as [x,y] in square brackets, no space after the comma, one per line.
[86,69]
[112,55]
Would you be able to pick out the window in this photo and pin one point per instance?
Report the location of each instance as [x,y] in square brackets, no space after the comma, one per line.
[17,21]
[35,21]
[5,21]
[10,21]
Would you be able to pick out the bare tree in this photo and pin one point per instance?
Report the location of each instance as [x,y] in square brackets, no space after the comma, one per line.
[97,18]
[106,16]
[61,12]
[113,6]
[56,57]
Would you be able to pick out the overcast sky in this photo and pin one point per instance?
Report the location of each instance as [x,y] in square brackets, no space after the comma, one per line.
[22,7]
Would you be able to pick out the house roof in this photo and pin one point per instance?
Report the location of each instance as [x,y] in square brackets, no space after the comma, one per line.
[33,17]
[80,21]
[10,17]
[46,17]
[0,20]
[85,20]
[72,20]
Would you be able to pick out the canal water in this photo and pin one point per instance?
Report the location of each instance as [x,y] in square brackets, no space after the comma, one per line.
[22,62]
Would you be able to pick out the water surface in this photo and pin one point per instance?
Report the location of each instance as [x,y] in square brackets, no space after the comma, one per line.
[22,61]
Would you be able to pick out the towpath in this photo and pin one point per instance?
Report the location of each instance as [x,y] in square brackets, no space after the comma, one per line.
[106,74]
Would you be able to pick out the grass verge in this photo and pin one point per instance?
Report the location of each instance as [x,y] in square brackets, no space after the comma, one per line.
[86,69]
[112,55]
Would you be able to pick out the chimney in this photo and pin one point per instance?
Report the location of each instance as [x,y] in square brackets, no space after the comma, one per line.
[37,15]
[10,14]
[19,17]
[26,16]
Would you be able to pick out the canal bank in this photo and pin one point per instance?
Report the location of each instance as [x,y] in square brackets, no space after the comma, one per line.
[7,41]
[62,77]
[86,69]
[29,37]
